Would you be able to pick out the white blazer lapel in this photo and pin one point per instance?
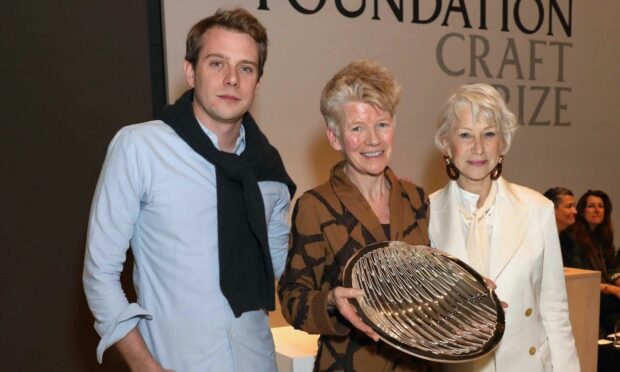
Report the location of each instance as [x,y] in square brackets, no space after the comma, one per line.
[510,228]
[445,228]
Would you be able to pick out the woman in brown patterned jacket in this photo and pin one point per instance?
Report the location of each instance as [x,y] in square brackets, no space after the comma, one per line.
[362,203]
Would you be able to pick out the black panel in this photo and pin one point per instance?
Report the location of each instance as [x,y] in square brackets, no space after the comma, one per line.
[73,73]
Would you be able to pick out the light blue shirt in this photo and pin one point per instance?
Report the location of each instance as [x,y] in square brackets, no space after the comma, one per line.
[158,195]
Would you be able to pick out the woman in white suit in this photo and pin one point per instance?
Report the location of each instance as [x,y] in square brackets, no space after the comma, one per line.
[505,231]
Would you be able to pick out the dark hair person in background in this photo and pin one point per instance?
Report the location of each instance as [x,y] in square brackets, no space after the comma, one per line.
[591,247]
[505,231]
[565,213]
[564,204]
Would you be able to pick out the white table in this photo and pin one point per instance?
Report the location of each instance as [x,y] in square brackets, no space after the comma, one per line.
[295,350]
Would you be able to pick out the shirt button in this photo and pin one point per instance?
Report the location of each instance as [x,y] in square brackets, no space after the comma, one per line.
[528,311]
[532,350]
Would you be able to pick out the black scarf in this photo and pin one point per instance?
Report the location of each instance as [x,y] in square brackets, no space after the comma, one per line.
[246,270]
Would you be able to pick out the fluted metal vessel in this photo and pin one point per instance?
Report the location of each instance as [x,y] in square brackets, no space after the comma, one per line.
[425,302]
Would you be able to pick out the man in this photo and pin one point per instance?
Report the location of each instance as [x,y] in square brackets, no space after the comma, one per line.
[203,200]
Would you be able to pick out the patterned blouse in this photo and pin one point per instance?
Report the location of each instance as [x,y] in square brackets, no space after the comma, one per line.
[330,223]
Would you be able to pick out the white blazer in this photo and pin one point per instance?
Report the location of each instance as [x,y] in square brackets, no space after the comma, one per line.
[526,264]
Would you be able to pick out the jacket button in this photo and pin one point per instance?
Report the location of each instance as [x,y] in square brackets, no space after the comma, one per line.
[532,350]
[528,311]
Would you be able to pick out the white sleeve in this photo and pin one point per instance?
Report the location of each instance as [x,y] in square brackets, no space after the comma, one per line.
[277,204]
[553,300]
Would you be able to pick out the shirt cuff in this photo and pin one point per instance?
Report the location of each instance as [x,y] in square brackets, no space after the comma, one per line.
[111,332]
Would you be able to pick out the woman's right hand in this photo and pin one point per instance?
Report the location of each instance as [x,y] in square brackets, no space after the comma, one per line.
[338,298]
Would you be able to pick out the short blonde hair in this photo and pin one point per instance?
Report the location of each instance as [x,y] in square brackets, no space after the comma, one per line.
[359,81]
[486,103]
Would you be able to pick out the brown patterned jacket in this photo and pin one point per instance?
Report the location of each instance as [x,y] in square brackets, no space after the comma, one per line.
[330,223]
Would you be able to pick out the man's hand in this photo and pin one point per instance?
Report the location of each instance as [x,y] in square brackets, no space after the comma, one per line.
[339,299]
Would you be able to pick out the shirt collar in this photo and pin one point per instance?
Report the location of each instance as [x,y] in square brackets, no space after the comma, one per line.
[239,144]
[467,199]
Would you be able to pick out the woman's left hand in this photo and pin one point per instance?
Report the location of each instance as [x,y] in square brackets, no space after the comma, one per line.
[339,299]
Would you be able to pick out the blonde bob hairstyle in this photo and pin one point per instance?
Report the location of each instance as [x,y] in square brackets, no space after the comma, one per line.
[487,106]
[360,81]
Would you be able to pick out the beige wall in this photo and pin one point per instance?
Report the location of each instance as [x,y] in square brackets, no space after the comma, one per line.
[306,50]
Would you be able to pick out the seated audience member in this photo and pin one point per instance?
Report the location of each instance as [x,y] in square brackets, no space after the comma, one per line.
[565,213]
[363,202]
[591,247]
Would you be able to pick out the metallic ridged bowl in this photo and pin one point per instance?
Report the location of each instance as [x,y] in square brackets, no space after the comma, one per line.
[425,302]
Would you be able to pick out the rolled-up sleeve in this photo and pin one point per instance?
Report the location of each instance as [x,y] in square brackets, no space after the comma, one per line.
[302,290]
[114,212]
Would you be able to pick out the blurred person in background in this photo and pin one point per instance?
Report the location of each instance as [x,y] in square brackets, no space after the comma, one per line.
[591,247]
[565,213]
